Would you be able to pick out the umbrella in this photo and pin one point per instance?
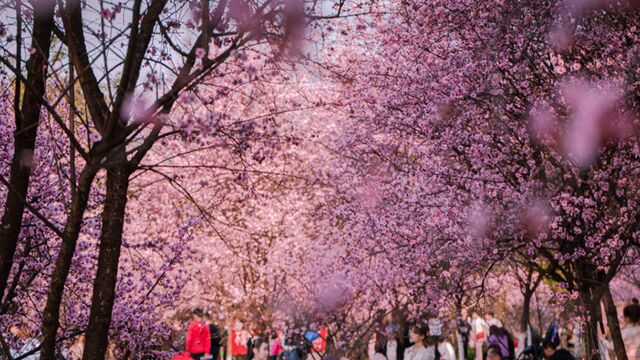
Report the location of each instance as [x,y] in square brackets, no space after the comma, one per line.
[310,336]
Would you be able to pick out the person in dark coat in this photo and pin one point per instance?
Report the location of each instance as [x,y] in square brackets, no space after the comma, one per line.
[551,351]
[250,346]
[216,340]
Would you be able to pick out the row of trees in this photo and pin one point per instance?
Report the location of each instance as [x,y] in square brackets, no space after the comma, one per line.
[171,154]
[115,107]
[497,133]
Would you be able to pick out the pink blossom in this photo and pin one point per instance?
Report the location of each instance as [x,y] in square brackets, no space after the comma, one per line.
[107,14]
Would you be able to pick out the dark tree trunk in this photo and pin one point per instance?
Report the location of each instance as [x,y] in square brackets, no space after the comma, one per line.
[104,286]
[526,311]
[539,314]
[51,315]
[614,326]
[24,141]
[591,303]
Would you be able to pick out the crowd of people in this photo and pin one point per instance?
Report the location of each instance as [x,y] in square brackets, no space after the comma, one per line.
[485,337]
[420,340]
[428,340]
[73,349]
[474,337]
[204,340]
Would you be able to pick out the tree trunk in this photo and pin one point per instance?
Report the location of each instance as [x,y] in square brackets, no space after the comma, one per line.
[526,311]
[51,315]
[539,315]
[614,326]
[591,304]
[104,286]
[330,346]
[27,121]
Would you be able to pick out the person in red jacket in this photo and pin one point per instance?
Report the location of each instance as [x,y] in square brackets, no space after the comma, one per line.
[182,356]
[198,337]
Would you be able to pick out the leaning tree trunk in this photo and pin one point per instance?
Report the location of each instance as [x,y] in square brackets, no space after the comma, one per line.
[104,286]
[614,326]
[24,141]
[51,315]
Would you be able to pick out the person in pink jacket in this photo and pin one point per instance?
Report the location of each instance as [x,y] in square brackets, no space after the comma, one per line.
[275,346]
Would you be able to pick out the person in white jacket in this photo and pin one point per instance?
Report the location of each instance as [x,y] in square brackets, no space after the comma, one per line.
[381,348]
[418,336]
[445,348]
[478,326]
[630,332]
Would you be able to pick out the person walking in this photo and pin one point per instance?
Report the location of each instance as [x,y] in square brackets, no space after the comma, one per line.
[383,345]
[377,349]
[491,319]
[478,326]
[500,336]
[631,330]
[249,345]
[275,346]
[464,331]
[260,350]
[552,352]
[216,339]
[419,351]
[198,336]
[292,342]
[393,345]
[445,349]
[494,353]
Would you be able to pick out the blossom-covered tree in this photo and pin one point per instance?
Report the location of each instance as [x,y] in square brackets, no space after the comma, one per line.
[171,48]
[421,157]
[526,111]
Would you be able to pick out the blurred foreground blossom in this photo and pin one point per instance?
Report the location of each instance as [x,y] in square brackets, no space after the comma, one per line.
[596,117]
[479,222]
[535,218]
